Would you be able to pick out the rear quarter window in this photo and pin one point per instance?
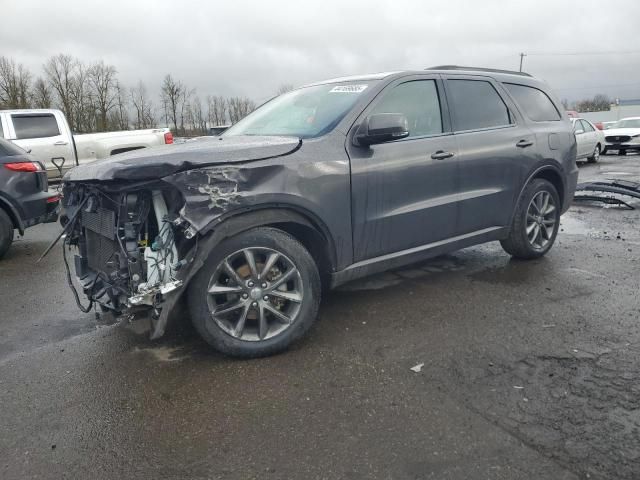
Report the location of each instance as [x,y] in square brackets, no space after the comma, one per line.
[8,149]
[35,126]
[535,103]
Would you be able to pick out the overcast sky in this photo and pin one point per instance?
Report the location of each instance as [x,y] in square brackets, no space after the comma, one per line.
[239,47]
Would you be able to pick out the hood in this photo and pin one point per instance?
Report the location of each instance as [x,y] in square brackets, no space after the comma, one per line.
[155,163]
[614,132]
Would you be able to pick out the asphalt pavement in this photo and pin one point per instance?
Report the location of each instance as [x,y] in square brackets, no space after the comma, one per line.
[531,371]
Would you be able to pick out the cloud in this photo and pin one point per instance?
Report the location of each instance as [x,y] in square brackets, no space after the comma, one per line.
[250,48]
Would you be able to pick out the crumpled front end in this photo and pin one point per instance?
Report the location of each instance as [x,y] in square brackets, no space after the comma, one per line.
[129,245]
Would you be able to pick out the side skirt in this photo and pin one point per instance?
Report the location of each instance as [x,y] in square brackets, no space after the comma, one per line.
[416,254]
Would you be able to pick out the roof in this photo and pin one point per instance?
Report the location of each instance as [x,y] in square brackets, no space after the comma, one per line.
[477,69]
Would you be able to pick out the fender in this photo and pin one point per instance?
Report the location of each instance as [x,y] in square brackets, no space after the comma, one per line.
[533,174]
[225,226]
[13,213]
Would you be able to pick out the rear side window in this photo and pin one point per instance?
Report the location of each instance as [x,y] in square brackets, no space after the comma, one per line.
[535,103]
[475,104]
[35,126]
[418,101]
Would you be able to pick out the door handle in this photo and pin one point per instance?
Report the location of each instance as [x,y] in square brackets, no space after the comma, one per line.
[61,142]
[524,143]
[441,155]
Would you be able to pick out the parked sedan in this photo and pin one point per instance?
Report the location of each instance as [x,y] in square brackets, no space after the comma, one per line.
[590,140]
[25,199]
[625,136]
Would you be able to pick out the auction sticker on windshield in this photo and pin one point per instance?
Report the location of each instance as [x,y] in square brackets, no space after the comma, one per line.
[348,89]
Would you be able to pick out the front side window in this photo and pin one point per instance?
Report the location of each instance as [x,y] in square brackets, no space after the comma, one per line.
[35,126]
[475,105]
[304,113]
[418,101]
[535,103]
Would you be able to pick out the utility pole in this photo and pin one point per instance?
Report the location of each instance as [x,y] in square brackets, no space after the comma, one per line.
[522,55]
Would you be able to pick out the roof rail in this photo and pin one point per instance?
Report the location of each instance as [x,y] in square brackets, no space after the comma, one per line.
[477,69]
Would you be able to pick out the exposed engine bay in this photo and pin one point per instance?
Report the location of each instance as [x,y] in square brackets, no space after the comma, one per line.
[129,246]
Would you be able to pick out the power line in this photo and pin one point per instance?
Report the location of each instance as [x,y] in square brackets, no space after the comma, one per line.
[565,54]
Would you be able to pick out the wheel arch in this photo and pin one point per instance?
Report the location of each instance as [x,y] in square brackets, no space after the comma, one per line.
[301,224]
[547,172]
[13,215]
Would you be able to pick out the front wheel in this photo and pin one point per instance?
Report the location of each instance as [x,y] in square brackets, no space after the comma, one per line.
[595,156]
[536,221]
[258,292]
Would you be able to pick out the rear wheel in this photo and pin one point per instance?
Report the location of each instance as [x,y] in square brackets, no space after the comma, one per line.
[595,156]
[256,294]
[536,221]
[6,232]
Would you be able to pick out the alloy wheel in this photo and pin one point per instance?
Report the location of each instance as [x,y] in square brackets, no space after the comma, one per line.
[255,294]
[541,220]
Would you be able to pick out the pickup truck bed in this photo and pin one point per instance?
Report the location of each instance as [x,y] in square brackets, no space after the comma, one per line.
[46,134]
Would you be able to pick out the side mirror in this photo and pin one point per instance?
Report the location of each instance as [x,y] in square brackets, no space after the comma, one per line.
[578,132]
[382,127]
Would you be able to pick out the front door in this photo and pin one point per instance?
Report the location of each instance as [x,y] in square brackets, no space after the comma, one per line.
[404,192]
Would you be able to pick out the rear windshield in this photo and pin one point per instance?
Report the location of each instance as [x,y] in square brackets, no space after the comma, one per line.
[8,149]
[304,113]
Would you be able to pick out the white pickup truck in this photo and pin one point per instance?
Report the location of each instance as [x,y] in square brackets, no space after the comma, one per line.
[46,134]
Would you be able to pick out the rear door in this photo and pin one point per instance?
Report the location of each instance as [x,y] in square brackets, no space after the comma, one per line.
[41,133]
[495,149]
[404,191]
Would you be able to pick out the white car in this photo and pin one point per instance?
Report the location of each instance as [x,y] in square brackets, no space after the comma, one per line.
[590,140]
[624,136]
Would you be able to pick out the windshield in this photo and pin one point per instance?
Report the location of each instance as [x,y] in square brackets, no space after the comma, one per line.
[305,113]
[630,123]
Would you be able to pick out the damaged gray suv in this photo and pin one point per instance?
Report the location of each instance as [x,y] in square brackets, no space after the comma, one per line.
[321,185]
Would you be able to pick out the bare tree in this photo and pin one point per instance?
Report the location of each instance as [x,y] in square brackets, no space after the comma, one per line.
[119,116]
[216,110]
[199,119]
[239,107]
[173,93]
[41,95]
[102,79]
[15,84]
[60,74]
[82,100]
[143,107]
[284,88]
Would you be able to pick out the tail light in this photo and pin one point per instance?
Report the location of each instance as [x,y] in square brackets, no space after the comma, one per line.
[168,138]
[24,166]
[54,199]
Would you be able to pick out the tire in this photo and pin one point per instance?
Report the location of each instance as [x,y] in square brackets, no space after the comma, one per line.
[248,313]
[6,232]
[595,156]
[604,151]
[527,220]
